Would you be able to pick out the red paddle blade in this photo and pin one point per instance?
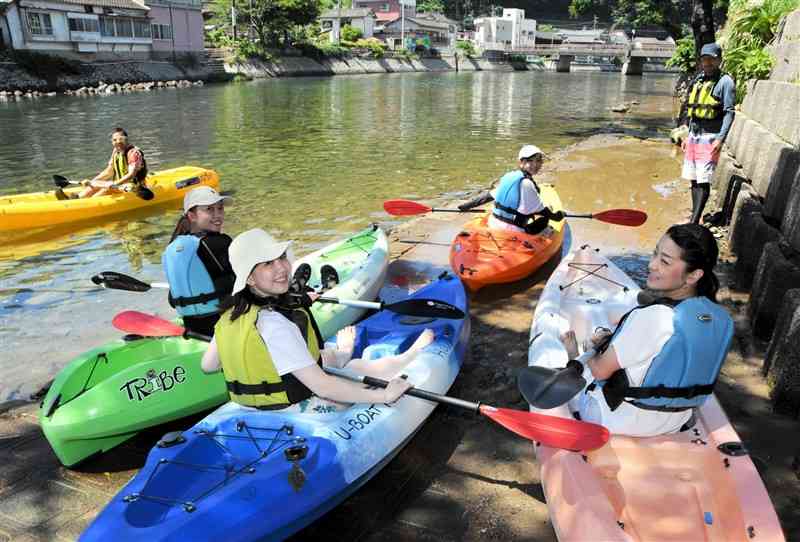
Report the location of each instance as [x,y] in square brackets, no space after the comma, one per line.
[146,325]
[404,207]
[551,431]
[623,217]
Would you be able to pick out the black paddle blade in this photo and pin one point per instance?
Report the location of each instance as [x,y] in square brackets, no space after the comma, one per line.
[145,193]
[431,308]
[60,181]
[549,388]
[118,281]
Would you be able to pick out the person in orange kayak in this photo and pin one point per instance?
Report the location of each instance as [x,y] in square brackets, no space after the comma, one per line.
[517,204]
[196,260]
[665,355]
[126,170]
[267,342]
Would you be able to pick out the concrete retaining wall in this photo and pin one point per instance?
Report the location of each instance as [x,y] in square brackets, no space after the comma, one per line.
[299,66]
[782,362]
[763,146]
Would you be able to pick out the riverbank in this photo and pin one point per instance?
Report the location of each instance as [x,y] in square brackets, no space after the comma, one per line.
[460,478]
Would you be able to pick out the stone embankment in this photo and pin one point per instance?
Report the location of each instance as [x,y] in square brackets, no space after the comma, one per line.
[100,78]
[298,66]
[758,184]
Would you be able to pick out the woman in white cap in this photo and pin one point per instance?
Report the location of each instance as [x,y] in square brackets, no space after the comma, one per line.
[267,343]
[196,260]
[517,205]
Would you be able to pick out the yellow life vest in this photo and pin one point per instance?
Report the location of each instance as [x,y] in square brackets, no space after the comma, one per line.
[702,104]
[250,373]
[120,163]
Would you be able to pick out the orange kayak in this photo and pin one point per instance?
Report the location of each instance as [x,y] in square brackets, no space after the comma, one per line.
[699,484]
[481,256]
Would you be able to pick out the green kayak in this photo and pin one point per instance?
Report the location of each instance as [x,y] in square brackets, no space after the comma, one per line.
[106,395]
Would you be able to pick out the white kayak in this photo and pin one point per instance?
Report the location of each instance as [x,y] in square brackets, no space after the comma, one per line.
[695,485]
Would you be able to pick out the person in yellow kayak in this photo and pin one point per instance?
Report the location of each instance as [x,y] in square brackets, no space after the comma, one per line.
[196,260]
[518,206]
[126,170]
[268,344]
[665,355]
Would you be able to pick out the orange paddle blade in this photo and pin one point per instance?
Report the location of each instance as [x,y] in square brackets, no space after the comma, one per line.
[404,207]
[146,325]
[549,430]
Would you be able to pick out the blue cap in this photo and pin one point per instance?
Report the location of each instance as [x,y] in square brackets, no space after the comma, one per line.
[711,49]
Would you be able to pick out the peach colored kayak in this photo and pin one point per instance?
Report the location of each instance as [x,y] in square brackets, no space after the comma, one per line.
[695,485]
[481,256]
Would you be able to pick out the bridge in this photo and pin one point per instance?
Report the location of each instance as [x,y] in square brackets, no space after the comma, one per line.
[633,55]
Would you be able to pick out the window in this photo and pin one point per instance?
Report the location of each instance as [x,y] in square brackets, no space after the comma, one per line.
[40,24]
[162,32]
[327,25]
[124,27]
[83,25]
[141,28]
[385,7]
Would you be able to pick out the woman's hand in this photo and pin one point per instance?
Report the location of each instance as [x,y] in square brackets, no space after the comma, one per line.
[570,342]
[396,388]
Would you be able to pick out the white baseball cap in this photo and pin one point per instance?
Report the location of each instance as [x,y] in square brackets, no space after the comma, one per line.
[528,151]
[202,195]
[251,248]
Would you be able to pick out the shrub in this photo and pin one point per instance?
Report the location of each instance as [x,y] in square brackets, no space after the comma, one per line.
[684,58]
[351,34]
[375,47]
[466,47]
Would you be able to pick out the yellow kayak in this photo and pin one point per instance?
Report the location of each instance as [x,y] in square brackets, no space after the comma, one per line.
[42,209]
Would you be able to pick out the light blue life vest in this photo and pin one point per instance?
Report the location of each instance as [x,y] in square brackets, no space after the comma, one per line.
[683,373]
[508,197]
[190,286]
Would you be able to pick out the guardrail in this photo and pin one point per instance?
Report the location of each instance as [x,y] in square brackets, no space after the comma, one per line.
[597,49]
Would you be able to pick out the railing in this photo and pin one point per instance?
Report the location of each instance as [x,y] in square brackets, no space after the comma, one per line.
[596,49]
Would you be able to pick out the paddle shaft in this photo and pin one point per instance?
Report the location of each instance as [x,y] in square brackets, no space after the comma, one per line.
[422,394]
[352,303]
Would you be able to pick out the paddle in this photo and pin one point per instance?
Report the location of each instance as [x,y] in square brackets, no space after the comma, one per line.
[549,430]
[549,388]
[430,308]
[141,190]
[621,217]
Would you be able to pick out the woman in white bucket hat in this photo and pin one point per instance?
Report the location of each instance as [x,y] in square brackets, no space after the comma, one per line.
[196,260]
[267,344]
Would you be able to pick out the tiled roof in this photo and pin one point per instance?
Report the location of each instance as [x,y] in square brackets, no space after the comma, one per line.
[119,4]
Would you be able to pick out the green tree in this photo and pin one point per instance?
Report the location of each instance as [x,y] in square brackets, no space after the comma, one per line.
[431,6]
[272,21]
[351,34]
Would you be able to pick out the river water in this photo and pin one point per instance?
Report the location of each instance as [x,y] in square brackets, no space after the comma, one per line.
[309,158]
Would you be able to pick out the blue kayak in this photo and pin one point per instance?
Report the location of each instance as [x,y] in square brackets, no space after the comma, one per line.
[242,474]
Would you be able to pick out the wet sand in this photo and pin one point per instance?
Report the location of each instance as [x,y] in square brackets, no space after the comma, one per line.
[461,477]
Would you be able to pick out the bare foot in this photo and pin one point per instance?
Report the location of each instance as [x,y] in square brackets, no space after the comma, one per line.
[346,340]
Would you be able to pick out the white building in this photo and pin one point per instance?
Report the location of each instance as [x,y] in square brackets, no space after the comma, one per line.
[361,18]
[511,31]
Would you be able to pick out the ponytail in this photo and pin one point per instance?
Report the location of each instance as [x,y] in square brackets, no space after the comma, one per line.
[183,227]
[699,251]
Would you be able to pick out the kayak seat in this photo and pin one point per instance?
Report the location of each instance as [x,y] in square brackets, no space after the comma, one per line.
[389,345]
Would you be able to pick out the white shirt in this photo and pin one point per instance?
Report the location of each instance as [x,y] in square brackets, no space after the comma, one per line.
[641,338]
[284,342]
[529,203]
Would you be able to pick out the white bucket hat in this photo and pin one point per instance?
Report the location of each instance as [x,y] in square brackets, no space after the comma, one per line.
[251,248]
[529,151]
[202,195]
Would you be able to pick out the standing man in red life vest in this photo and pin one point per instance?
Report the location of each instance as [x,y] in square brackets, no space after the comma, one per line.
[126,169]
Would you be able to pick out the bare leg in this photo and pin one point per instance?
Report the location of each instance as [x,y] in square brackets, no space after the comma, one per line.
[390,366]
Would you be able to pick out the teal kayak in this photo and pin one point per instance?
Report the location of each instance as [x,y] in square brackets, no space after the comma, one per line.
[107,395]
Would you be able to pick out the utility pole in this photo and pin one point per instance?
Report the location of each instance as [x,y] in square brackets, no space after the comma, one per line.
[233,19]
[338,25]
[594,25]
[402,25]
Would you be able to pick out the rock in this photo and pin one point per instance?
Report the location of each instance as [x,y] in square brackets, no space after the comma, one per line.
[620,108]
[17,93]
[51,94]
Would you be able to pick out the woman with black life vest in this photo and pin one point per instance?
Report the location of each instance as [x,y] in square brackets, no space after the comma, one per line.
[126,168]
[196,260]
[664,357]
[517,204]
[267,343]
[710,107]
